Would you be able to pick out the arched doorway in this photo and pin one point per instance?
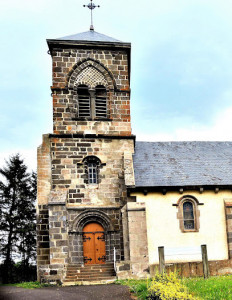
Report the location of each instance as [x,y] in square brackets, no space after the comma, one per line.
[94,247]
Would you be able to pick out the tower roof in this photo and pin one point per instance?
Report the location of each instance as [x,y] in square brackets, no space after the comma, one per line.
[91,36]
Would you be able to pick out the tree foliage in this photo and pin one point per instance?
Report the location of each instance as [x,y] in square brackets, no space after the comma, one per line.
[17,215]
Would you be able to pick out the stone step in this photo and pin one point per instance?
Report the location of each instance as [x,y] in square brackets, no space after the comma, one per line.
[95,282]
[96,274]
[91,273]
[93,265]
[90,268]
[90,279]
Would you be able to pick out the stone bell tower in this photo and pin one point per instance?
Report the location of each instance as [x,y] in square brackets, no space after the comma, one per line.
[84,164]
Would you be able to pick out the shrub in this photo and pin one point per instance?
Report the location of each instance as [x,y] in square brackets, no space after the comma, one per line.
[167,286]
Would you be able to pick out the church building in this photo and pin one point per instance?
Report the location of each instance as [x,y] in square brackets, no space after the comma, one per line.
[106,202]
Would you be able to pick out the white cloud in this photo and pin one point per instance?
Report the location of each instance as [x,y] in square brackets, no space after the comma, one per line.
[28,155]
[219,131]
[195,35]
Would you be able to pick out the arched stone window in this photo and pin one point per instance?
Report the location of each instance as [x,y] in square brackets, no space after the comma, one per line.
[92,102]
[92,172]
[92,164]
[188,213]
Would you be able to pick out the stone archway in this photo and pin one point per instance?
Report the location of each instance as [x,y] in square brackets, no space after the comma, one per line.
[76,253]
[93,215]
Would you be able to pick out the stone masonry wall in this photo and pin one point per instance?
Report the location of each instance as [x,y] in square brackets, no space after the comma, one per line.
[44,171]
[195,269]
[228,211]
[116,61]
[64,194]
[69,176]
[71,195]
[43,191]
[43,235]
[112,63]
[69,172]
[135,241]
[58,234]
[137,232]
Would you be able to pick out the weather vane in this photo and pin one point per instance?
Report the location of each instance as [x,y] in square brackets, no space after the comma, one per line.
[91,6]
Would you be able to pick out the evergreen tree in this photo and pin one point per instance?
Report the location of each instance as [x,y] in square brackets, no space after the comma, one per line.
[17,212]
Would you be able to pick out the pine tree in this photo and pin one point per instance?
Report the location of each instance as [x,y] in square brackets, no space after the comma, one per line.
[17,206]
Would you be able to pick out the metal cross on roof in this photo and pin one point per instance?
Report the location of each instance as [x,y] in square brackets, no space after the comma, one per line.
[91,6]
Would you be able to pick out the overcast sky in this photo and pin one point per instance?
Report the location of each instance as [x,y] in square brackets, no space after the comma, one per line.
[181,66]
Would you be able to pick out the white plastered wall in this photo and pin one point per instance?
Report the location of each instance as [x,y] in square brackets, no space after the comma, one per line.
[163,227]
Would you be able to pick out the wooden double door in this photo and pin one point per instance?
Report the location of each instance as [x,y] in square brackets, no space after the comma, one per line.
[94,246]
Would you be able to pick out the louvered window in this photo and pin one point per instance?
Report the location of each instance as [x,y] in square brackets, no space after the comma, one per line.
[100,102]
[92,103]
[84,103]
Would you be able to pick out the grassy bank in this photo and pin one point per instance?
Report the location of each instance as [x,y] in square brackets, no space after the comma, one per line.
[214,288]
[29,285]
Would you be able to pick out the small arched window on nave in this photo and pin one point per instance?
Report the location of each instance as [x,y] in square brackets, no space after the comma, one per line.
[188,215]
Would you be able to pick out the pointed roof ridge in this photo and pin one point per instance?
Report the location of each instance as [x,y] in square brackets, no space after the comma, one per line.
[91,36]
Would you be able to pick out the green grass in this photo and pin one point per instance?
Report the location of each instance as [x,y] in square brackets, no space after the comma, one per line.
[138,287]
[214,288]
[29,285]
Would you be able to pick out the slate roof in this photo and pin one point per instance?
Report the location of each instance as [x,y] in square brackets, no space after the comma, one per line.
[91,36]
[182,164]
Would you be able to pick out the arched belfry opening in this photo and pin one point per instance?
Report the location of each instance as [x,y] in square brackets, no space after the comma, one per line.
[91,72]
[92,102]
